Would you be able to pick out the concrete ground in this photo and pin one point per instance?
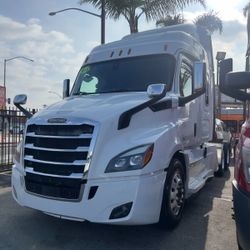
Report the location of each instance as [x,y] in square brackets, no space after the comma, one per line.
[207,224]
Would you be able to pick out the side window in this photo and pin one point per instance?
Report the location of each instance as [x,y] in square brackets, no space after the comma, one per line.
[186,80]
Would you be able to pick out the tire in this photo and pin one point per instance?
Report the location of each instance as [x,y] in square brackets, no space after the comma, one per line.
[226,157]
[173,196]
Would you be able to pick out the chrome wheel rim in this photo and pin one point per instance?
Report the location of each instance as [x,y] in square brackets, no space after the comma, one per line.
[176,193]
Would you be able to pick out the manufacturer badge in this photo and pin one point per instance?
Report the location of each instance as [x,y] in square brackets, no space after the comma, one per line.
[57,120]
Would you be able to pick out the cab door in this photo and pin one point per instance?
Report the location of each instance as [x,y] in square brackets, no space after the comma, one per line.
[188,115]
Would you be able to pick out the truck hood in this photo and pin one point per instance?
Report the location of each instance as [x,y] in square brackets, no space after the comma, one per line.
[96,107]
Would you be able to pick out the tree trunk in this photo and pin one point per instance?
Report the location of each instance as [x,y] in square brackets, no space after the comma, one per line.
[133,24]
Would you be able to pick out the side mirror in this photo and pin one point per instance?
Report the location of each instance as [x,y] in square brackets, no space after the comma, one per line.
[226,66]
[156,90]
[234,84]
[20,99]
[66,87]
[199,76]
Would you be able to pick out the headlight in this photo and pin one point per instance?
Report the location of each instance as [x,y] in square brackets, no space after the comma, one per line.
[18,152]
[132,159]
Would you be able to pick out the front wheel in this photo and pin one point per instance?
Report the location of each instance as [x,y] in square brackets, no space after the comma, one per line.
[174,196]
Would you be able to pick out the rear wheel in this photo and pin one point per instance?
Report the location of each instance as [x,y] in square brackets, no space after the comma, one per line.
[173,196]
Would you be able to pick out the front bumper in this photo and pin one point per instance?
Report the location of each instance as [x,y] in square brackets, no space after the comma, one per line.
[241,202]
[145,192]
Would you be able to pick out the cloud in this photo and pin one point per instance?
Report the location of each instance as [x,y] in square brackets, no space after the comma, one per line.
[54,59]
[234,41]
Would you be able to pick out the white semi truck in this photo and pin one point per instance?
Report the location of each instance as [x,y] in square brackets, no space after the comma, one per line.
[129,144]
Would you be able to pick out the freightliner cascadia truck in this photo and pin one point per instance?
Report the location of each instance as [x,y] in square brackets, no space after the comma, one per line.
[130,142]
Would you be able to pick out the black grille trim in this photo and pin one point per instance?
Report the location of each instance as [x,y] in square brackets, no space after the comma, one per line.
[60,130]
[58,143]
[53,169]
[56,156]
[63,188]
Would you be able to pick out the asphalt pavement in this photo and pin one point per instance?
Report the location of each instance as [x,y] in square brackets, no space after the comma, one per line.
[207,224]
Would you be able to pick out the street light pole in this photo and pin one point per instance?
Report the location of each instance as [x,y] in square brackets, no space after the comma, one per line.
[4,68]
[10,59]
[101,16]
[4,73]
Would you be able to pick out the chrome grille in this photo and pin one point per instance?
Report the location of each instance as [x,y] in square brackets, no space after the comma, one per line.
[58,152]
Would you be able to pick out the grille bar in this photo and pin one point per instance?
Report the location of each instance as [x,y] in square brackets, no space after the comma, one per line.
[76,163]
[78,149]
[81,136]
[72,176]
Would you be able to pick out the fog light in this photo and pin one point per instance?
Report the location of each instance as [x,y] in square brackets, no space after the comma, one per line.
[121,211]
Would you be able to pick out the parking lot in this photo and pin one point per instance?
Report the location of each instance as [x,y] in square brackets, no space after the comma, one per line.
[207,224]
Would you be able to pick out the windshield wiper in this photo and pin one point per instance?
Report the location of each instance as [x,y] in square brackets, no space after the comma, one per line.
[117,90]
[108,91]
[83,93]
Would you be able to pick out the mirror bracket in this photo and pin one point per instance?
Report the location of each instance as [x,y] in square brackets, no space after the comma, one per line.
[184,100]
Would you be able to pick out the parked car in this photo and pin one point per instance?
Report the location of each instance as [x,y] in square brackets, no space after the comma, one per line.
[234,86]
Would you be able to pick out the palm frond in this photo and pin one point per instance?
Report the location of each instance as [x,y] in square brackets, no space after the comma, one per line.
[210,21]
[246,9]
[170,20]
[133,9]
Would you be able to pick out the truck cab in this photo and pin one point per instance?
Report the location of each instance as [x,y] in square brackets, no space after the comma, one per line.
[129,143]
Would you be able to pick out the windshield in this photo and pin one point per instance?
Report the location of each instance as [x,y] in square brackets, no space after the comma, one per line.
[123,75]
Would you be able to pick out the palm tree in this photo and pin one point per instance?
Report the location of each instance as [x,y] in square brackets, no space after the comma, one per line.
[210,21]
[170,20]
[133,10]
[246,12]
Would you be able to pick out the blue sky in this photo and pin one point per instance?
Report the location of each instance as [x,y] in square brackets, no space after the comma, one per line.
[59,44]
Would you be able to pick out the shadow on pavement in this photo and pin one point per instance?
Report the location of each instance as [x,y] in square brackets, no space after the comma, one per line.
[31,229]
[5,180]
